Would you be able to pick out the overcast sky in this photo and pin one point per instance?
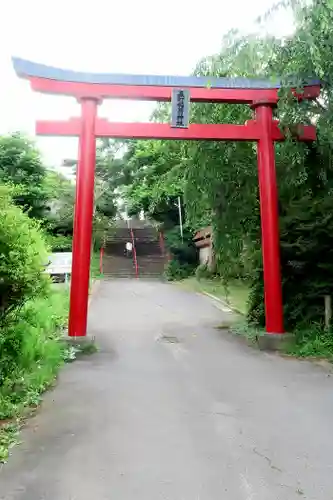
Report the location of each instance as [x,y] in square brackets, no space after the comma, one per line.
[124,36]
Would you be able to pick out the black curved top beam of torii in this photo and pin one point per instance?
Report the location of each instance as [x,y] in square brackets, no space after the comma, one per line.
[29,69]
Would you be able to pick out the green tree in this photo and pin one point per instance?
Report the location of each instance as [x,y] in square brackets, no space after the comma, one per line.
[58,220]
[60,193]
[21,165]
[219,180]
[156,180]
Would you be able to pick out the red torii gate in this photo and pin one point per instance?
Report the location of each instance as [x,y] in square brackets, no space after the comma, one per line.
[90,89]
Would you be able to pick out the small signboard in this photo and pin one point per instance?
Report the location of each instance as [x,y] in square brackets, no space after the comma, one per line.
[180,103]
[59,263]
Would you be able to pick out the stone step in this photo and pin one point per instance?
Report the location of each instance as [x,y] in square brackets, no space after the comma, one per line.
[144,235]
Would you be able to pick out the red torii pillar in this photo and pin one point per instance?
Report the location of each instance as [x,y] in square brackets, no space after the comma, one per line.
[90,89]
[269,220]
[83,218]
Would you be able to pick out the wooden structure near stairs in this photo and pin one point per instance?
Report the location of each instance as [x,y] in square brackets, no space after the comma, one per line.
[203,240]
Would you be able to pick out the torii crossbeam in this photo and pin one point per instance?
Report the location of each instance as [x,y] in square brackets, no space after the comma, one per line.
[90,89]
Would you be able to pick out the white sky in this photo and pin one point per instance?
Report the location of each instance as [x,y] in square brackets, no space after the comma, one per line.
[124,36]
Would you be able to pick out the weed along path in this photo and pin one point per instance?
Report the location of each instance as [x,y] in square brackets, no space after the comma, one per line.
[172,408]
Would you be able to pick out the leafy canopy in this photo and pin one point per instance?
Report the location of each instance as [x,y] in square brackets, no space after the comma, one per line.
[218,180]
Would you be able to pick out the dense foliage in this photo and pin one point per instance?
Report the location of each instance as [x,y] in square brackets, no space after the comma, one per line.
[109,174]
[183,253]
[30,357]
[31,314]
[219,180]
[45,195]
[22,256]
[21,166]
[58,221]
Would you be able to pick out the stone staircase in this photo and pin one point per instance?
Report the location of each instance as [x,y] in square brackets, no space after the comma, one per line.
[150,259]
[116,264]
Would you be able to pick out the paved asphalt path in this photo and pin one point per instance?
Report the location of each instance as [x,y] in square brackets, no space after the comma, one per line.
[174,409]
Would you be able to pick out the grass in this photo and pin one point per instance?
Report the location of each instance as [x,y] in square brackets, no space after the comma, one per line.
[250,332]
[94,266]
[77,348]
[236,294]
[31,356]
[312,341]
[9,437]
[89,348]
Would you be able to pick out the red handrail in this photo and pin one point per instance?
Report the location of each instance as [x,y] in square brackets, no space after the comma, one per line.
[165,253]
[135,260]
[101,254]
[162,246]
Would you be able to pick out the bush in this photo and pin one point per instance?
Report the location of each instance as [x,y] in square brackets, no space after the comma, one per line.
[203,272]
[176,271]
[256,303]
[29,351]
[30,356]
[59,242]
[184,254]
[28,340]
[22,256]
[312,340]
[184,250]
[306,231]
